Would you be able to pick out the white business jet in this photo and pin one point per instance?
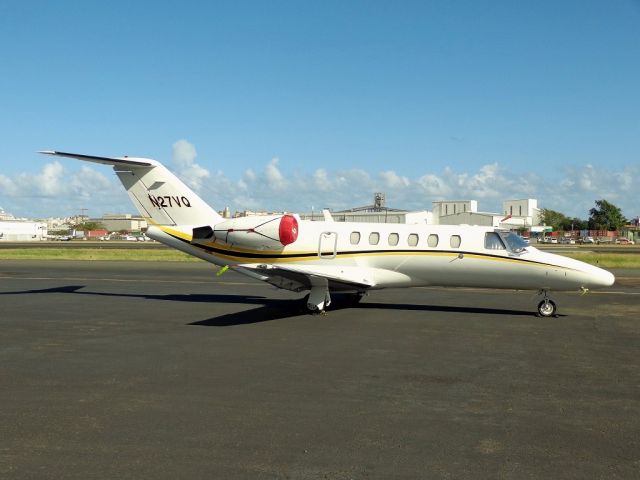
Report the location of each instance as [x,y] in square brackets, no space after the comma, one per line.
[325,256]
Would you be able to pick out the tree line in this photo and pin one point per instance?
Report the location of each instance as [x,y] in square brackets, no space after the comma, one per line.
[604,216]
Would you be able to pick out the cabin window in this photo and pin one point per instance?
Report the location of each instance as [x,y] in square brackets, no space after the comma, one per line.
[374,238]
[492,241]
[455,241]
[393,239]
[432,240]
[355,238]
[412,240]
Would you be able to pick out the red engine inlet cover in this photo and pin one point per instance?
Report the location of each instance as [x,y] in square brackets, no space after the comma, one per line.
[288,229]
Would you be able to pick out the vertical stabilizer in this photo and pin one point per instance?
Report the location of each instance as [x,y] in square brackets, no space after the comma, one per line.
[157,193]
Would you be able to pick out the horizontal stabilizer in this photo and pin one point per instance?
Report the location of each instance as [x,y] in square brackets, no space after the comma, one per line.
[160,196]
[124,161]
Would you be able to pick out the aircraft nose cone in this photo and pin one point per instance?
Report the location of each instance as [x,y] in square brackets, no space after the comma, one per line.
[601,278]
[607,278]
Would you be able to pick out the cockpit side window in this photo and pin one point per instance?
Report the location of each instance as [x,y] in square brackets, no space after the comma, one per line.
[492,241]
[514,242]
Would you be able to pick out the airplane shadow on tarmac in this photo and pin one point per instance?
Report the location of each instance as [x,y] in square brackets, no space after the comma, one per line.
[273,309]
[280,309]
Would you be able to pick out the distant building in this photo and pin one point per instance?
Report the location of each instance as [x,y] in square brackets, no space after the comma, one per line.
[384,216]
[58,223]
[518,214]
[526,210]
[375,213]
[452,207]
[22,231]
[14,229]
[253,213]
[5,216]
[116,222]
[93,234]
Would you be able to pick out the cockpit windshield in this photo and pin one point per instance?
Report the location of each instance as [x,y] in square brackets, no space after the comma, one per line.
[515,243]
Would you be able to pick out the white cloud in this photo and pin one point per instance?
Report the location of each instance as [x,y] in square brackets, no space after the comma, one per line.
[183,156]
[434,186]
[572,190]
[7,186]
[321,180]
[392,180]
[56,191]
[249,176]
[274,178]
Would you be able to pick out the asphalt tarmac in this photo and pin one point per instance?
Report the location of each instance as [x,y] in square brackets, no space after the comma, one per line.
[143,370]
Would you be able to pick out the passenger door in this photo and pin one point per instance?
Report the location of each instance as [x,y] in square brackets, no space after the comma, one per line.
[327,245]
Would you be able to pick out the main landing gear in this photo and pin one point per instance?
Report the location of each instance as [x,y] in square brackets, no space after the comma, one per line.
[319,297]
[547,307]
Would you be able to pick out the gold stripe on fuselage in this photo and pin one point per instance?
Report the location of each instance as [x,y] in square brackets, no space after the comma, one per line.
[295,256]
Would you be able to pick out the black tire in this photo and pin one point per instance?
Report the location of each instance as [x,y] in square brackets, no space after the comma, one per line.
[547,308]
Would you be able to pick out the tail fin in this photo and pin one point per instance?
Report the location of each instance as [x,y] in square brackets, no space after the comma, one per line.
[156,192]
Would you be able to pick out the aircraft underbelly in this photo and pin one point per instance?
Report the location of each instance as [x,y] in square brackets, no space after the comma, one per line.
[475,271]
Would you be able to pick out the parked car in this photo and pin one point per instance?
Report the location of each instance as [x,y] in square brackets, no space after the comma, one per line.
[587,240]
[567,241]
[624,241]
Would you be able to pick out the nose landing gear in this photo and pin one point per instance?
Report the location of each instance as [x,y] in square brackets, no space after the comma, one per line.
[547,307]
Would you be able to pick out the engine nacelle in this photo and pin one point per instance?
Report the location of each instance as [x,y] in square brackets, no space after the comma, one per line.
[270,232]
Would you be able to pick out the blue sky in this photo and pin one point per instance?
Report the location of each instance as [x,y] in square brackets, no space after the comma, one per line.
[289,105]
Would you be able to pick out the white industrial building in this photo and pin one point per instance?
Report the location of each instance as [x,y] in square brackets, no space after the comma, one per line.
[517,214]
[375,213]
[22,231]
[453,207]
[14,229]
[382,216]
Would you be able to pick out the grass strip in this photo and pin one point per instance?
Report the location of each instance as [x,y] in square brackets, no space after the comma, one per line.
[128,255]
[607,260]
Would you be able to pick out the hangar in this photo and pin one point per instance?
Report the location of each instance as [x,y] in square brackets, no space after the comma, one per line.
[516,214]
[16,230]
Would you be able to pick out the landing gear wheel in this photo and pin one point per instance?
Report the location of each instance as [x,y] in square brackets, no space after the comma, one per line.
[319,297]
[547,308]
